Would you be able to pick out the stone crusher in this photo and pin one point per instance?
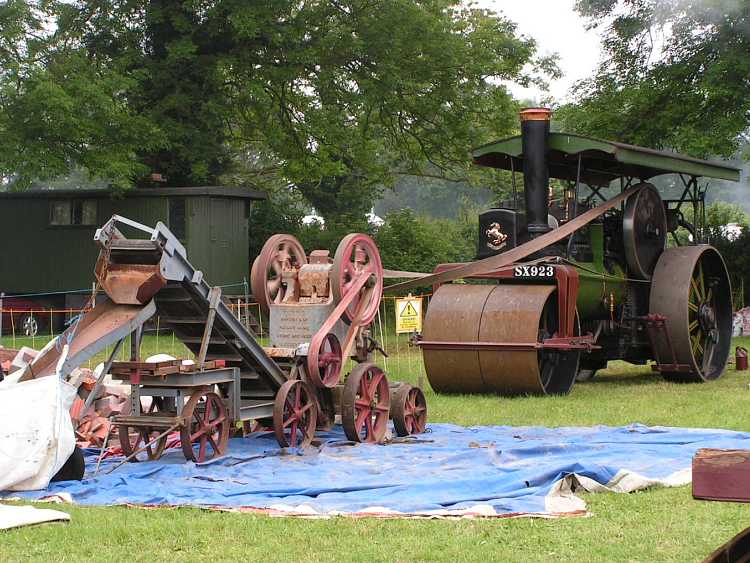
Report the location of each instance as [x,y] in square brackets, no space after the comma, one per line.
[320,313]
[235,378]
[574,278]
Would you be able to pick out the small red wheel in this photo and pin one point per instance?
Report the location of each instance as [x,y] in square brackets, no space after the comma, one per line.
[134,437]
[206,425]
[365,404]
[279,253]
[357,255]
[409,410]
[295,414]
[324,361]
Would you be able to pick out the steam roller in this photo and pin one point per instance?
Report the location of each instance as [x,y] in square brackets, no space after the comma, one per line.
[596,263]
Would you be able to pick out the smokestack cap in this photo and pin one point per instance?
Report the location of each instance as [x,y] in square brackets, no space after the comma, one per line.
[536,114]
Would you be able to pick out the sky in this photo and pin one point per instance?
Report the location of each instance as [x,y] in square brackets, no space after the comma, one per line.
[557,28]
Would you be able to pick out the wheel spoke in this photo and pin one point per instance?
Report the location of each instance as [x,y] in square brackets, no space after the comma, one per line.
[373,387]
[197,417]
[293,435]
[369,431]
[362,415]
[696,291]
[273,285]
[380,407]
[214,445]
[364,391]
[215,422]
[202,448]
[207,411]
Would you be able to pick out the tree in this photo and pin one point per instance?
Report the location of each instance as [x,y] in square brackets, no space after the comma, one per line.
[331,96]
[409,242]
[675,74]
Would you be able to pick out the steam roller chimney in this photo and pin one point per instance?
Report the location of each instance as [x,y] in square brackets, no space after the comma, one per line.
[535,147]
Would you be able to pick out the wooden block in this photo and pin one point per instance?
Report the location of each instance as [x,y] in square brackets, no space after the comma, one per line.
[721,475]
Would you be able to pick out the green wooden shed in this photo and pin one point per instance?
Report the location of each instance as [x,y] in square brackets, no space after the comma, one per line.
[47,235]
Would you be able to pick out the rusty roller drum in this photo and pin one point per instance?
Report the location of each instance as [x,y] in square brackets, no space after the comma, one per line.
[690,288]
[518,314]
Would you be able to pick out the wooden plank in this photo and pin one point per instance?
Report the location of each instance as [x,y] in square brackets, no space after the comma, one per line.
[721,475]
[147,366]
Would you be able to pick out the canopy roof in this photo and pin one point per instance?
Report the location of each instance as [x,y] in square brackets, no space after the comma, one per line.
[601,161]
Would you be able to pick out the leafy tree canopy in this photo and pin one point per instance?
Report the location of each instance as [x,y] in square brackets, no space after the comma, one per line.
[324,94]
[674,74]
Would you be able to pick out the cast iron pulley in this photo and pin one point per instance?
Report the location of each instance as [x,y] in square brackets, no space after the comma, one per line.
[365,404]
[279,253]
[205,432]
[691,290]
[357,255]
[644,230]
[324,363]
[409,410]
[295,414]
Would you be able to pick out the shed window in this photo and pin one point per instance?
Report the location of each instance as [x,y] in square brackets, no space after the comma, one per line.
[177,216]
[73,212]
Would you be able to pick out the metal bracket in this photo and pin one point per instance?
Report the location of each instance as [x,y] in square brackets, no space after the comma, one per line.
[214,297]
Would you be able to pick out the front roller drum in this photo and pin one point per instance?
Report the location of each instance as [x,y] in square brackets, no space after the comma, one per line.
[468,317]
[691,290]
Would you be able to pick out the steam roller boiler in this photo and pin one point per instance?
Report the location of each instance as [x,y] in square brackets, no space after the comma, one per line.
[597,264]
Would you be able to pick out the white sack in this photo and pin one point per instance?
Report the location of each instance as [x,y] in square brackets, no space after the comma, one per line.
[36,433]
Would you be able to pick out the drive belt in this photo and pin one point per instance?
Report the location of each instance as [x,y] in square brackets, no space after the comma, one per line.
[513,255]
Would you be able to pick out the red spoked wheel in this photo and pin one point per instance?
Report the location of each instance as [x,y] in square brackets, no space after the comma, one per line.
[357,255]
[324,361]
[134,437]
[279,253]
[206,426]
[409,411]
[365,404]
[295,414]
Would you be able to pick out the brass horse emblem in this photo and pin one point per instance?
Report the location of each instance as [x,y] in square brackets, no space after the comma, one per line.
[496,238]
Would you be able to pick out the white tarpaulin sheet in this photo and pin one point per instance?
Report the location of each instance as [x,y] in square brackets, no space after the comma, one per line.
[17,516]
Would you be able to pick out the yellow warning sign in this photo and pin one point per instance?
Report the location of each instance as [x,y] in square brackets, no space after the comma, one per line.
[408,314]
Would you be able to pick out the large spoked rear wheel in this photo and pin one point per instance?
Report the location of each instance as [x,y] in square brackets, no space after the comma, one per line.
[691,289]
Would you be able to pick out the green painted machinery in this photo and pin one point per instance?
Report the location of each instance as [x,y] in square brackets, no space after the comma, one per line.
[602,266]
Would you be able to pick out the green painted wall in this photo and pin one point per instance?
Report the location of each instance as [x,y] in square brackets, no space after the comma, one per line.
[217,240]
[37,257]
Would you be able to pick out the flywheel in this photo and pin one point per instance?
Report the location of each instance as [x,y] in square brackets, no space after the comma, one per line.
[691,289]
[644,230]
[469,318]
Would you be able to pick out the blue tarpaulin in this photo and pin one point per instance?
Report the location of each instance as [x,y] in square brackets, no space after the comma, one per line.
[489,470]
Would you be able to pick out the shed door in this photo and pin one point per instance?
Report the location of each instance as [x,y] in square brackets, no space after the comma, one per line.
[223,240]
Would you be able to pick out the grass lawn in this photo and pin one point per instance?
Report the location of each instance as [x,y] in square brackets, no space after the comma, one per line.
[662,524]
